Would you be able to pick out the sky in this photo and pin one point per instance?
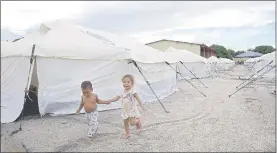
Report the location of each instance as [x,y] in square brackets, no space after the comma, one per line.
[237,25]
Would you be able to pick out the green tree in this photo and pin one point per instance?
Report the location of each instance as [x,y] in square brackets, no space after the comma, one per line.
[232,52]
[221,51]
[250,50]
[264,49]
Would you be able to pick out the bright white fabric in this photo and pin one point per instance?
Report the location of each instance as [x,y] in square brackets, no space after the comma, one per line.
[220,63]
[14,76]
[66,57]
[195,63]
[264,60]
[60,94]
[184,55]
[200,70]
[74,42]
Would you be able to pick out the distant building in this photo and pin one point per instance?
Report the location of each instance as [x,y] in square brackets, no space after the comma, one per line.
[199,49]
[244,56]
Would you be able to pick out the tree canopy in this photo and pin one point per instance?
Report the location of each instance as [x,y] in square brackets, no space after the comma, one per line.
[263,49]
[222,52]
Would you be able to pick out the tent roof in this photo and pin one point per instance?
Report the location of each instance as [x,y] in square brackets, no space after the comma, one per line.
[268,57]
[184,55]
[249,54]
[226,60]
[61,39]
[213,59]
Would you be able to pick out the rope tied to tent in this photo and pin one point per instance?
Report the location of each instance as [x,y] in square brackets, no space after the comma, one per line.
[255,73]
[193,74]
[186,79]
[253,80]
[147,82]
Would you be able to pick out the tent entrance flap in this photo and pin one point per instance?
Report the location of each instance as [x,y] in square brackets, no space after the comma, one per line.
[30,107]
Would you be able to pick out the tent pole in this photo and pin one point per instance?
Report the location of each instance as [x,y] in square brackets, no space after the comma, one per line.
[255,79]
[254,64]
[193,74]
[26,90]
[254,74]
[186,79]
[139,69]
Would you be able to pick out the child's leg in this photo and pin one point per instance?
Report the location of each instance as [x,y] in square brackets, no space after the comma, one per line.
[93,123]
[138,123]
[132,121]
[126,127]
[88,116]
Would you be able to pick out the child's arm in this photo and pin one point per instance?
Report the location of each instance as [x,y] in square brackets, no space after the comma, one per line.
[99,101]
[81,105]
[138,99]
[114,99]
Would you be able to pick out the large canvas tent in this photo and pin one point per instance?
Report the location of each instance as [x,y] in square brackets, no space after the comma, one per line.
[227,63]
[192,63]
[64,57]
[220,63]
[264,61]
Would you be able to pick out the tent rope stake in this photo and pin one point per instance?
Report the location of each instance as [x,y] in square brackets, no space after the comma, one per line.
[26,90]
[139,69]
[185,79]
[253,80]
[193,74]
[255,74]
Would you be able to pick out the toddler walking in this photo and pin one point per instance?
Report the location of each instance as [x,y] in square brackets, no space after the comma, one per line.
[89,101]
[130,113]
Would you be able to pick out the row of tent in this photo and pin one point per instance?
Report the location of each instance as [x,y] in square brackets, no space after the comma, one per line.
[263,63]
[60,55]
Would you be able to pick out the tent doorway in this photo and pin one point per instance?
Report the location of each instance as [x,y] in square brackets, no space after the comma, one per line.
[31,107]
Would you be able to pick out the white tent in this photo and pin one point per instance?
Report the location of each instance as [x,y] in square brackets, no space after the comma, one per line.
[263,61]
[227,63]
[14,76]
[195,63]
[220,63]
[64,57]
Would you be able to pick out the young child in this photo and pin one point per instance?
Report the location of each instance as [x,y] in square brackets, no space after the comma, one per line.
[89,101]
[130,113]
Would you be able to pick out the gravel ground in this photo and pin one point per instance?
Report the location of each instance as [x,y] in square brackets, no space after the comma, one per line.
[216,123]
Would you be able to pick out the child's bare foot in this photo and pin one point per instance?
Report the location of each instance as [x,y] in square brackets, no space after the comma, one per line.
[126,135]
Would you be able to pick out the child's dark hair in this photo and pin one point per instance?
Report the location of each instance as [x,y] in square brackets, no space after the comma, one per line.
[86,84]
[130,76]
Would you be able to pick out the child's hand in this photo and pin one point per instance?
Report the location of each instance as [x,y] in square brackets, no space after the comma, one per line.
[107,102]
[78,111]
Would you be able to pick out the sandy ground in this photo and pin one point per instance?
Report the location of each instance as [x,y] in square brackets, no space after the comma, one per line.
[216,123]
